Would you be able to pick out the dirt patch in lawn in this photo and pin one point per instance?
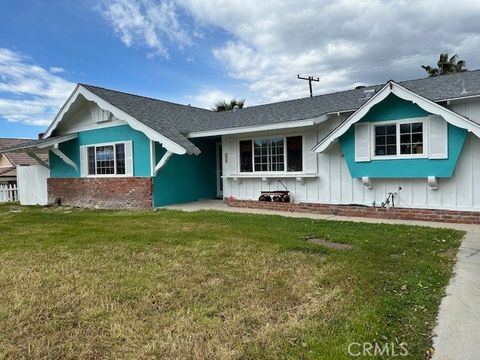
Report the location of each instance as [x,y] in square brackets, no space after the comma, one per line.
[327,243]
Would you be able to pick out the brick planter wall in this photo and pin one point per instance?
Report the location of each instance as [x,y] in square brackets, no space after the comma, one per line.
[464,217]
[105,193]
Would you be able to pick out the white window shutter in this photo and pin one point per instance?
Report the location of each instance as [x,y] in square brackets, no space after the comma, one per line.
[83,161]
[438,137]
[128,158]
[362,142]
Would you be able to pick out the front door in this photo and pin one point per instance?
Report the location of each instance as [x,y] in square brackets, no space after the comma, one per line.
[219,170]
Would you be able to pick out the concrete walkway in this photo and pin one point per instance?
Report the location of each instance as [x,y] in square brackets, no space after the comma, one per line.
[458,328]
[457,333]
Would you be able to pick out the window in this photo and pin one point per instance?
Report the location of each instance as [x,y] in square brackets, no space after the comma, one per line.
[399,139]
[106,159]
[271,154]
[294,153]
[411,138]
[268,154]
[246,156]
[385,140]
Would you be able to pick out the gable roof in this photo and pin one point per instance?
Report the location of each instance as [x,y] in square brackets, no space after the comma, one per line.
[172,124]
[402,92]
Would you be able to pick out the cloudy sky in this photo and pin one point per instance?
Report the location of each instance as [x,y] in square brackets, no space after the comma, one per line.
[199,51]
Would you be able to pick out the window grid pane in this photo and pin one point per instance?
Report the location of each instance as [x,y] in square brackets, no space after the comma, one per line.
[385,140]
[411,138]
[269,154]
[105,160]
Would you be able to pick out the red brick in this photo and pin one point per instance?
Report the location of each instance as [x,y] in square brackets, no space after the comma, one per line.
[466,217]
[105,193]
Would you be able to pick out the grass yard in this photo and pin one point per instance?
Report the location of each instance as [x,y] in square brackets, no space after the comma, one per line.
[84,284]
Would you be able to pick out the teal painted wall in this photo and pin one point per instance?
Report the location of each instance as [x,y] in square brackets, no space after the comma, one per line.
[141,150]
[186,178]
[394,108]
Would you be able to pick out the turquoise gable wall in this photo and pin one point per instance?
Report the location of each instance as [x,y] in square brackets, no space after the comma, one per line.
[394,108]
[141,150]
[186,178]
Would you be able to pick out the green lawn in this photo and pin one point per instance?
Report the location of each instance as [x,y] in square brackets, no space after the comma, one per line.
[210,285]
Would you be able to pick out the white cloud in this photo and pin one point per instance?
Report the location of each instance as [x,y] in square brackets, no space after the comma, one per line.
[29,93]
[56,70]
[207,98]
[146,23]
[344,42]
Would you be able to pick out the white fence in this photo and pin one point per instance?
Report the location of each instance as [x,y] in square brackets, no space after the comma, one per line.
[8,193]
[32,184]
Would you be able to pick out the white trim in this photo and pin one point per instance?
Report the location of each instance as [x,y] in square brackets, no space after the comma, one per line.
[255,128]
[425,133]
[114,160]
[393,88]
[38,159]
[162,162]
[119,114]
[102,125]
[272,175]
[64,157]
[285,155]
[152,158]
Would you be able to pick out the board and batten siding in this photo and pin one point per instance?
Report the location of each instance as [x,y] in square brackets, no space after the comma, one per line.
[334,184]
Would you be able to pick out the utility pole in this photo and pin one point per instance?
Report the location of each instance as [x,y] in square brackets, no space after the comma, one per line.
[309,79]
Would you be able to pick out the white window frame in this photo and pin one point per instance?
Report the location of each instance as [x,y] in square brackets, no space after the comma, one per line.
[285,156]
[425,132]
[114,159]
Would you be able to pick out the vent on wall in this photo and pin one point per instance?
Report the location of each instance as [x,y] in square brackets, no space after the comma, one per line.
[100,115]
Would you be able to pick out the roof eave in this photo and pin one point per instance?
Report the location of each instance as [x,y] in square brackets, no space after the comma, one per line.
[394,88]
[257,128]
[120,114]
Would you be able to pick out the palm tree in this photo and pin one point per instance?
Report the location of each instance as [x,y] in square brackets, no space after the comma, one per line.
[446,65]
[231,105]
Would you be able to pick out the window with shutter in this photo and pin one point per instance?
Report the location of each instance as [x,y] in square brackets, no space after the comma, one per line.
[112,159]
[438,137]
[362,142]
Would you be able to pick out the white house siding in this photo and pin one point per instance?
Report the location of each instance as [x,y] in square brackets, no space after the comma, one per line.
[334,185]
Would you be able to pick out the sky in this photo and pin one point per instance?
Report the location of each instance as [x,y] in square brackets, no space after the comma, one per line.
[201,51]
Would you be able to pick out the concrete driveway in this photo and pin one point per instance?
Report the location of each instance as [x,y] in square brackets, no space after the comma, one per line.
[457,333]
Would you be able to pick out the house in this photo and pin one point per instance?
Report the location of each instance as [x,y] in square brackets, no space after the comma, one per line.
[9,161]
[415,143]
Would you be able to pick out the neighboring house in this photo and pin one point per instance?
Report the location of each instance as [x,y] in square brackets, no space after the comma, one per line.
[9,161]
[418,139]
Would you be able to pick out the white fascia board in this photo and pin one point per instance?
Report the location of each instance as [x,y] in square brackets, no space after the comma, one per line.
[53,142]
[256,128]
[119,114]
[356,116]
[393,88]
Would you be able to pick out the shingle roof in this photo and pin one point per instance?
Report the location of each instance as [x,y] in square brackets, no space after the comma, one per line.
[25,144]
[175,121]
[18,158]
[162,116]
